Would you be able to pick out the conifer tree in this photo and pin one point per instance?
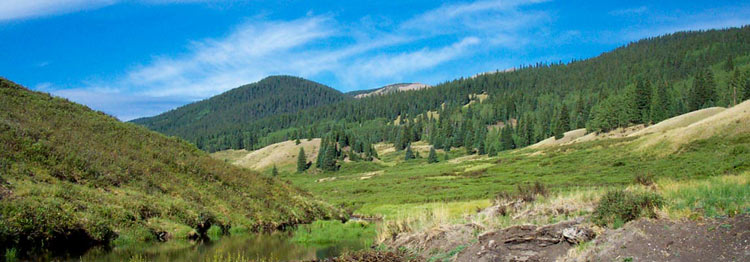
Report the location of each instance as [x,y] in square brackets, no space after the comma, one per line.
[409,154]
[297,142]
[563,122]
[301,161]
[432,157]
[729,65]
[746,84]
[659,103]
[642,100]
[274,171]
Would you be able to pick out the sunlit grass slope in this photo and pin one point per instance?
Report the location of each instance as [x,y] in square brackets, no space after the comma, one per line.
[71,175]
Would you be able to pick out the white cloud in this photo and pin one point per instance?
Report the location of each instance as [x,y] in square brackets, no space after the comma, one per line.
[19,9]
[23,9]
[357,55]
[629,11]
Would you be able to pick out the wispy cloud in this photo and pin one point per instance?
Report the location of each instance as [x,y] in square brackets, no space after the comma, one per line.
[307,47]
[24,9]
[629,11]
[19,9]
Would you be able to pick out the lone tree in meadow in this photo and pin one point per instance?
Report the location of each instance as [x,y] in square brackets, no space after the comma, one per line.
[409,154]
[274,171]
[432,158]
[301,161]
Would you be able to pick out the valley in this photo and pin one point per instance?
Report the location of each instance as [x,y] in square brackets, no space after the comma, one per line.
[639,154]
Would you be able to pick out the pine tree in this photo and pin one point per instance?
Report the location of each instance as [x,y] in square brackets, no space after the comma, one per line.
[735,85]
[274,171]
[659,103]
[297,142]
[729,65]
[409,154]
[563,122]
[329,160]
[301,161]
[703,92]
[642,100]
[746,84]
[432,157]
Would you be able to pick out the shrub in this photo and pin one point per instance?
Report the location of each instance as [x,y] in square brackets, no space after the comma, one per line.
[618,207]
[646,179]
[527,193]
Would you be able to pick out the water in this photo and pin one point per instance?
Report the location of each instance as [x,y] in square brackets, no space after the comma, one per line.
[269,247]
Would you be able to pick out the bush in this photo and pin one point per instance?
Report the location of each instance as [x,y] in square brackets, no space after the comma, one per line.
[619,207]
[644,179]
[527,193]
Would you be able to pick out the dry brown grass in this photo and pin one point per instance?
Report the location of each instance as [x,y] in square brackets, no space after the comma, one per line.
[567,138]
[679,121]
[279,154]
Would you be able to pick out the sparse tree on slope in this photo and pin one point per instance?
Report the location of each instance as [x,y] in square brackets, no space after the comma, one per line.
[409,154]
[301,161]
[274,171]
[432,158]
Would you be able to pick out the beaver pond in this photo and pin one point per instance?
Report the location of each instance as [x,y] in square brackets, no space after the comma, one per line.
[321,239]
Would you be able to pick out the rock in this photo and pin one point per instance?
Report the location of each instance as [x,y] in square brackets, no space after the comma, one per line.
[578,234]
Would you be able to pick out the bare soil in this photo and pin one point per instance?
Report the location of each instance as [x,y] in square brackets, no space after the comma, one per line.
[726,239]
[527,243]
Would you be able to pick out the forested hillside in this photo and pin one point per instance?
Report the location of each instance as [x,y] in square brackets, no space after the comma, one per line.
[643,82]
[211,120]
[71,177]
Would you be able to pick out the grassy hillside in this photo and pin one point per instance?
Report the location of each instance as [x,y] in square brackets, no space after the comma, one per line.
[717,144]
[226,113]
[71,175]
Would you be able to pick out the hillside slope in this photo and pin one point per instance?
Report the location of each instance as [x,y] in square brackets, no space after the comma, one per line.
[280,154]
[226,113]
[71,175]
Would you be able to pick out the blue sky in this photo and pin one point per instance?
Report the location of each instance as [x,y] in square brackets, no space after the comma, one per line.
[134,58]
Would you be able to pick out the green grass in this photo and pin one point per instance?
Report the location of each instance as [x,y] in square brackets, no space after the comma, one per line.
[78,176]
[716,196]
[332,232]
[605,163]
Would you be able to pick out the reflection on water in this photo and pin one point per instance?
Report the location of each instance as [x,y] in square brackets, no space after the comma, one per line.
[273,247]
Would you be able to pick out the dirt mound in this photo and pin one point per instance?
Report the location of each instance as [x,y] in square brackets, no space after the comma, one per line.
[680,121]
[568,137]
[527,243]
[725,239]
[277,154]
[443,238]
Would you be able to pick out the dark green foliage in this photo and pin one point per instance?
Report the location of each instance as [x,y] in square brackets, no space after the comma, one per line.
[79,175]
[659,106]
[432,157]
[218,122]
[274,171]
[301,161]
[618,207]
[408,155]
[729,64]
[563,122]
[296,141]
[703,92]
[642,101]
[746,84]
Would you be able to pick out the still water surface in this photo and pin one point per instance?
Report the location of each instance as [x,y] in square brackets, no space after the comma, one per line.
[274,247]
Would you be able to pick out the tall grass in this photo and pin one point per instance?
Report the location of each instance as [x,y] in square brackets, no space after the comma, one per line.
[716,196]
[326,232]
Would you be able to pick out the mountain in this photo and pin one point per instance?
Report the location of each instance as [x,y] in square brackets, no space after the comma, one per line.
[643,82]
[72,177]
[388,89]
[227,112]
